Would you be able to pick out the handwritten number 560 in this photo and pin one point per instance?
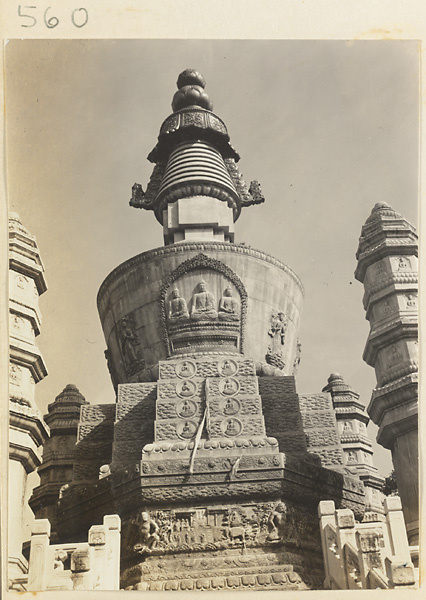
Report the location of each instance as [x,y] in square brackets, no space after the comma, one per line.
[79,17]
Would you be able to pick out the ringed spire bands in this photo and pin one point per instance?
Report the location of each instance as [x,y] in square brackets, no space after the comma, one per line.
[196,190]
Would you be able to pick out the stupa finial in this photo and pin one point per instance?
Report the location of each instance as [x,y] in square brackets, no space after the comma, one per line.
[191,92]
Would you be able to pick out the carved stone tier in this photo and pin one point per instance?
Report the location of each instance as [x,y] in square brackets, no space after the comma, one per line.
[195,190]
[388,268]
[27,430]
[209,478]
[142,325]
[267,511]
[352,425]
[58,453]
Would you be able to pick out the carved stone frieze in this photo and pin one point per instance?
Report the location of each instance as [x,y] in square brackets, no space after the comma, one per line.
[225,546]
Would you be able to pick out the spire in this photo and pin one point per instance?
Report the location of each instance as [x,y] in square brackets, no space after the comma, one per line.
[196,190]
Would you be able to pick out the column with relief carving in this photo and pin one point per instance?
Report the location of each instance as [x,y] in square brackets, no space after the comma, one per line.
[27,430]
[387,266]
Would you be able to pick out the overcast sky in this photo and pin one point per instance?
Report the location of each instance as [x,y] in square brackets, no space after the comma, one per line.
[329,128]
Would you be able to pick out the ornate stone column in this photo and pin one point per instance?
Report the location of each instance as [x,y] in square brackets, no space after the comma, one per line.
[387,266]
[352,422]
[27,430]
[58,453]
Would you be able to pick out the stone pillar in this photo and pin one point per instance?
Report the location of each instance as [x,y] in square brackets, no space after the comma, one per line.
[39,555]
[27,430]
[387,266]
[352,422]
[58,453]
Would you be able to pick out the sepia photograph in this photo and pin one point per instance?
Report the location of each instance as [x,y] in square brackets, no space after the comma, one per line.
[213,314]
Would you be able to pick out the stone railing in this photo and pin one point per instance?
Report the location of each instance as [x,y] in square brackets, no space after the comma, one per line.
[367,555]
[91,565]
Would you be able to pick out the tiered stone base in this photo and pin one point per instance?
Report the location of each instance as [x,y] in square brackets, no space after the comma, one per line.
[268,545]
[234,570]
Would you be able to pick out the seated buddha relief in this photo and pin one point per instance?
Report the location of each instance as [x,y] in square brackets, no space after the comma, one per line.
[229,307]
[178,309]
[203,304]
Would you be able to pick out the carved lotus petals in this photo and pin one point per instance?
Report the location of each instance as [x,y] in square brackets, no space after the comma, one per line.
[264,579]
[218,583]
[233,582]
[272,441]
[187,585]
[248,580]
[203,584]
[279,577]
[171,585]
[191,95]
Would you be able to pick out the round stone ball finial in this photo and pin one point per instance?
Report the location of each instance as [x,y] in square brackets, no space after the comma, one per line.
[380,206]
[191,91]
[334,377]
[190,77]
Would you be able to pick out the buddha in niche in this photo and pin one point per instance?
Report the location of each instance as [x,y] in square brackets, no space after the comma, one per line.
[229,307]
[203,304]
[231,428]
[178,309]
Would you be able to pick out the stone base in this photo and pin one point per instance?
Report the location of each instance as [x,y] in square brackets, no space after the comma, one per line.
[241,569]
[267,545]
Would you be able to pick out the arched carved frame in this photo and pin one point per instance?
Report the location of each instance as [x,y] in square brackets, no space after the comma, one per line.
[202,261]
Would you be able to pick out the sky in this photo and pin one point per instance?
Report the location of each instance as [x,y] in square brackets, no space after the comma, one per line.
[329,128]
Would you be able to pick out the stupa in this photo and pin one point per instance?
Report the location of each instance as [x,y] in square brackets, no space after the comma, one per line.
[209,460]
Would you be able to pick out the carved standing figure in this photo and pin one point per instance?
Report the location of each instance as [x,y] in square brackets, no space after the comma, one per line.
[277,330]
[229,307]
[297,357]
[203,304]
[148,530]
[129,341]
[178,309]
[276,522]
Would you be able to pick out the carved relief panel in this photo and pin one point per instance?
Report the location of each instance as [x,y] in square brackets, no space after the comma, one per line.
[218,527]
[203,305]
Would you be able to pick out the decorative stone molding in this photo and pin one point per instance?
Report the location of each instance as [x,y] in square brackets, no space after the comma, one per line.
[193,247]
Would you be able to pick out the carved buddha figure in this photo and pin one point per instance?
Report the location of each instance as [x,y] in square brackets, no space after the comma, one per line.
[186,409]
[230,387]
[231,407]
[231,427]
[203,304]
[178,309]
[229,307]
